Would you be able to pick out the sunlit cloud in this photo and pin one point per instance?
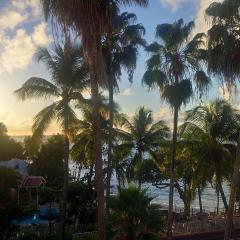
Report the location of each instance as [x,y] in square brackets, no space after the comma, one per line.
[174,5]
[166,114]
[127,92]
[12,18]
[224,92]
[18,45]
[202,22]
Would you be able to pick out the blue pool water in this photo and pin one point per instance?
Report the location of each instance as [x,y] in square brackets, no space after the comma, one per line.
[41,217]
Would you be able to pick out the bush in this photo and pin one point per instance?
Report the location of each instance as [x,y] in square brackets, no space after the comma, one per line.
[132,215]
[82,205]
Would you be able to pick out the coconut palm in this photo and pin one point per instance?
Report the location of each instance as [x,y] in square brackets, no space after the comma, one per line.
[69,76]
[90,19]
[142,136]
[175,63]
[82,150]
[120,51]
[214,125]
[191,172]
[224,58]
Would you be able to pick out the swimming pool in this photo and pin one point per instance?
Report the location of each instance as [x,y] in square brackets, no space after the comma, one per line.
[41,217]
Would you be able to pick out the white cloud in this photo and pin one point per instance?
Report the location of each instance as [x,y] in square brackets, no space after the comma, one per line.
[174,4]
[224,92]
[10,19]
[17,52]
[40,37]
[20,126]
[202,24]
[166,114]
[127,92]
[18,45]
[229,93]
[32,7]
[86,93]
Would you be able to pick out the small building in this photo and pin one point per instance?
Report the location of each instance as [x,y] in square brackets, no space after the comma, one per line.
[32,182]
[21,166]
[28,182]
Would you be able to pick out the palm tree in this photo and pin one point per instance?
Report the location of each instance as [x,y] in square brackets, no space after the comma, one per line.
[69,76]
[120,51]
[213,126]
[90,19]
[192,172]
[172,67]
[132,215]
[142,136]
[224,58]
[82,150]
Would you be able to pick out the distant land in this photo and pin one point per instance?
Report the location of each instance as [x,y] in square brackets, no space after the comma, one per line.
[21,138]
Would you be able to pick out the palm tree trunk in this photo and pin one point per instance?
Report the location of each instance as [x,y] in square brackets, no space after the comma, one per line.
[110,137]
[50,218]
[219,184]
[233,191]
[187,210]
[90,174]
[172,172]
[223,195]
[111,80]
[200,200]
[65,185]
[95,79]
[217,200]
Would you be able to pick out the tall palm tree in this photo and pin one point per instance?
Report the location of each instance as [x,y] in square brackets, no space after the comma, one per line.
[175,63]
[91,19]
[142,136]
[224,59]
[214,125]
[120,51]
[69,76]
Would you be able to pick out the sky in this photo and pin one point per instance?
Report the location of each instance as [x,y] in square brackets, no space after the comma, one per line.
[23,30]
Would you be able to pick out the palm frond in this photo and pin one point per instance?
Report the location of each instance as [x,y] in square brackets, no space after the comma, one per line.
[37,88]
[178,94]
[43,119]
[154,78]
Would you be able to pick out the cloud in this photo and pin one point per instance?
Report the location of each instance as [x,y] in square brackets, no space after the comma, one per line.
[166,114]
[202,24]
[127,92]
[39,36]
[18,45]
[174,4]
[86,93]
[224,92]
[11,19]
[20,125]
[31,7]
[17,52]
[15,125]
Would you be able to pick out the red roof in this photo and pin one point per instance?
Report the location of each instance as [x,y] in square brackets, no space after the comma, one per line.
[32,182]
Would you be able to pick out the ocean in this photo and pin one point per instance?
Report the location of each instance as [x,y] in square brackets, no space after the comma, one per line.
[209,195]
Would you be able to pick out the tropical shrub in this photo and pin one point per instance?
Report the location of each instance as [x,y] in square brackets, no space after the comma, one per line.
[132,215]
[82,205]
